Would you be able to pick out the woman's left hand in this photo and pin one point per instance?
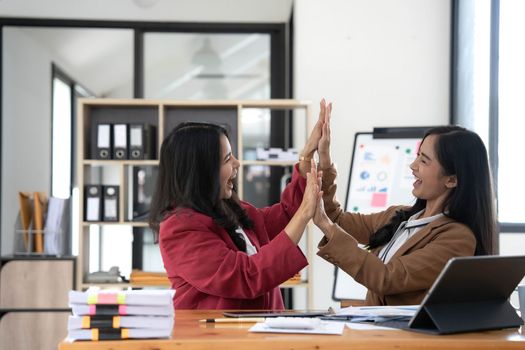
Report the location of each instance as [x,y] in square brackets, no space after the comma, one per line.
[322,220]
[312,192]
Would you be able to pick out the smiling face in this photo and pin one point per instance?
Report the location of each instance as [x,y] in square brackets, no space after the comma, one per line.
[431,183]
[229,167]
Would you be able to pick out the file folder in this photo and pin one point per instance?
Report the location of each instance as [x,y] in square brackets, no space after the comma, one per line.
[110,205]
[471,294]
[26,215]
[120,141]
[102,142]
[93,202]
[40,208]
[142,141]
[143,183]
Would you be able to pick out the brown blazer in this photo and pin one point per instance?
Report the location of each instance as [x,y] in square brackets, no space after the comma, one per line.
[408,275]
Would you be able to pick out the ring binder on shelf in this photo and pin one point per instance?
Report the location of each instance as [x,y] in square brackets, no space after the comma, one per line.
[120,141]
[142,187]
[92,209]
[102,142]
[110,205]
[141,141]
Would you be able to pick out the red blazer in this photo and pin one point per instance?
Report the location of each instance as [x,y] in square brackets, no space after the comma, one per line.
[208,271]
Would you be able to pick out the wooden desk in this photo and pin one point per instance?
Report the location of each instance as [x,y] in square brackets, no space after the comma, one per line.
[190,334]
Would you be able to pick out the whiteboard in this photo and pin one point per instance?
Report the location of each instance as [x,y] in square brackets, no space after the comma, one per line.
[380,176]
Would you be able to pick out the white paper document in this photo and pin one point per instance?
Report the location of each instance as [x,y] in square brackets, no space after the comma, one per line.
[376,314]
[324,327]
[55,228]
[382,311]
[368,327]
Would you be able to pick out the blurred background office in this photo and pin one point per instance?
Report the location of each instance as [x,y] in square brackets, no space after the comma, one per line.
[382,63]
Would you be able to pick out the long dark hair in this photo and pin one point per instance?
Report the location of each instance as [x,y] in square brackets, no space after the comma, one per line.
[462,153]
[189,168]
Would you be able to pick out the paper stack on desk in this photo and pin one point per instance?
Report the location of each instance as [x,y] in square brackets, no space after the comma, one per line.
[113,315]
[376,314]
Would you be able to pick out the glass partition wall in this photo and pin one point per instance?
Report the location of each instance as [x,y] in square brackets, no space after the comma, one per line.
[125,60]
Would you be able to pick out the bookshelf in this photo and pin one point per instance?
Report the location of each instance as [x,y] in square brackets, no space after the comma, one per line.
[164,115]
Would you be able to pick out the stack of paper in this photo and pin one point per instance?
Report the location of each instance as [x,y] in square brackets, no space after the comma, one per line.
[103,315]
[374,313]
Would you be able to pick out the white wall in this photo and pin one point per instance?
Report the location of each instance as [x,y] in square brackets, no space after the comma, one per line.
[26,125]
[382,63]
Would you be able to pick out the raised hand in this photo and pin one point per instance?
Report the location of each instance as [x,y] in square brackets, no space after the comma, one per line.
[312,192]
[325,159]
[320,218]
[313,140]
[305,212]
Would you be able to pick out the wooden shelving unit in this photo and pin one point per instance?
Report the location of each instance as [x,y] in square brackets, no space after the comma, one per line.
[165,115]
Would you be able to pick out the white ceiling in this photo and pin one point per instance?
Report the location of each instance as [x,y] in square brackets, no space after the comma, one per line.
[102,61]
[273,11]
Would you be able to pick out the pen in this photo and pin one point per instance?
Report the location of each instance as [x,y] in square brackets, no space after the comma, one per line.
[233,320]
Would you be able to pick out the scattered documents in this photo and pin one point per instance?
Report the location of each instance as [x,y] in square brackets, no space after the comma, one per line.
[381,311]
[374,313]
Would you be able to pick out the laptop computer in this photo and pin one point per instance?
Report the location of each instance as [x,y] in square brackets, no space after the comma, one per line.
[471,294]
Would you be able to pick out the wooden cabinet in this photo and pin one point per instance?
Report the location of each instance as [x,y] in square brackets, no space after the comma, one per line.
[252,126]
[34,301]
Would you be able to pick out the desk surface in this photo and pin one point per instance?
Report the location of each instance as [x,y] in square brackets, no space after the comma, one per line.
[188,333]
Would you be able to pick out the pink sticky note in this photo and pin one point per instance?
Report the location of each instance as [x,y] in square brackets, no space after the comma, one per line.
[122,310]
[92,309]
[379,199]
[107,298]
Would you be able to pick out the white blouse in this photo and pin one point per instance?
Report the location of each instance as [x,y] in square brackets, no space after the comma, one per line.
[250,248]
[405,230]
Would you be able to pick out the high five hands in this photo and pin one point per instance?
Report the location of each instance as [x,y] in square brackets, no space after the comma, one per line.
[319,141]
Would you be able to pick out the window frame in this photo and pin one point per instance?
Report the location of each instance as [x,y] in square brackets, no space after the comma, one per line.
[493,112]
[281,51]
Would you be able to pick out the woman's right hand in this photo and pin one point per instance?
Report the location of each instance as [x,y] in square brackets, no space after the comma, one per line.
[325,160]
[312,192]
[305,212]
[313,140]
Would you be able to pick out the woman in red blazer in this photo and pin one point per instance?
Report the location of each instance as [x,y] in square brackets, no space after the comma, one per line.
[220,252]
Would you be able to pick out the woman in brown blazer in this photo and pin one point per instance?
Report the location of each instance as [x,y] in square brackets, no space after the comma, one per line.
[407,247]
